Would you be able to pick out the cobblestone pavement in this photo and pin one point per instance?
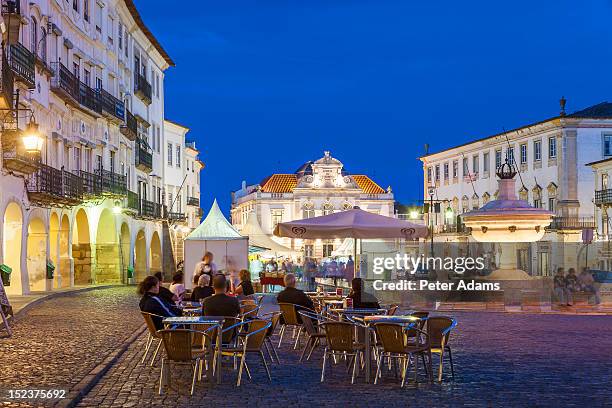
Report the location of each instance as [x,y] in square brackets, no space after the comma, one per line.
[62,339]
[500,360]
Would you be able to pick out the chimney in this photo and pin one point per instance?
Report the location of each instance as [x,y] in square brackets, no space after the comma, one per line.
[562,103]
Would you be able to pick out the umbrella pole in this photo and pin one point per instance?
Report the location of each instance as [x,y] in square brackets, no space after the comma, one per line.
[355,258]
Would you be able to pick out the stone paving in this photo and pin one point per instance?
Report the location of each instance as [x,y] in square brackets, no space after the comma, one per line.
[500,359]
[62,339]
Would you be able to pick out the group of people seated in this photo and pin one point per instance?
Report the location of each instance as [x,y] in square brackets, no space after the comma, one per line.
[566,286]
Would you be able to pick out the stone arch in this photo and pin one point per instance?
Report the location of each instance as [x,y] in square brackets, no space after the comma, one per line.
[155,254]
[125,242]
[36,255]
[107,249]
[54,228]
[81,249]
[64,275]
[11,245]
[140,256]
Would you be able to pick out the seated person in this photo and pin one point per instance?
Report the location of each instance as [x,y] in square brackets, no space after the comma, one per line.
[245,287]
[220,304]
[203,290]
[362,299]
[164,292]
[177,287]
[292,295]
[152,303]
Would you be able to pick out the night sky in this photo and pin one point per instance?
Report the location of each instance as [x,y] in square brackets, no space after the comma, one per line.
[267,86]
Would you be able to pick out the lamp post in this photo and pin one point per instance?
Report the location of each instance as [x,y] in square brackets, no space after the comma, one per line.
[32,141]
[431,191]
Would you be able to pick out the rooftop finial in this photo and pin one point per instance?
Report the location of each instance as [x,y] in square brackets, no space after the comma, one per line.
[327,154]
[562,103]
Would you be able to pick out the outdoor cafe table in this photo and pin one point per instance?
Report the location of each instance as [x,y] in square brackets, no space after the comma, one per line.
[209,320]
[368,322]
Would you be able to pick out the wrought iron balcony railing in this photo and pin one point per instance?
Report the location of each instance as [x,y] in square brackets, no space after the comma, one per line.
[603,197]
[143,157]
[194,201]
[572,223]
[92,183]
[23,64]
[130,127]
[65,83]
[89,98]
[112,183]
[49,186]
[113,108]
[149,209]
[15,157]
[176,216]
[8,82]
[133,201]
[142,88]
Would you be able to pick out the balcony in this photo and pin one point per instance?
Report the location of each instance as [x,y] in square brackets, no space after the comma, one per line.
[92,184]
[7,83]
[129,128]
[112,108]
[11,13]
[112,183]
[49,186]
[89,99]
[142,88]
[23,63]
[451,229]
[176,216]
[149,209]
[133,202]
[143,156]
[65,83]
[572,223]
[194,201]
[15,158]
[603,197]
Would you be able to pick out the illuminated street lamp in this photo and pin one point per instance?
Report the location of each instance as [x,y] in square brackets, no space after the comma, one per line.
[32,140]
[413,214]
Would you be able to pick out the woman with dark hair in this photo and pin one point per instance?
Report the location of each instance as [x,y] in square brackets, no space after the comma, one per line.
[152,303]
[362,299]
[177,287]
[245,287]
[164,292]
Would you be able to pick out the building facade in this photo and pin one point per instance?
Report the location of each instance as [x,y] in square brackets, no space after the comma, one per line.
[91,204]
[182,184]
[550,156]
[317,188]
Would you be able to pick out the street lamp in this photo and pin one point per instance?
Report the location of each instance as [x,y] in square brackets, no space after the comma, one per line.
[32,140]
[413,214]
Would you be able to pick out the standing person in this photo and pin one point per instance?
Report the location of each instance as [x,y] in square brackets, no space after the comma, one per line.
[349,269]
[202,290]
[207,266]
[245,287]
[559,286]
[152,303]
[220,304]
[571,285]
[164,292]
[178,287]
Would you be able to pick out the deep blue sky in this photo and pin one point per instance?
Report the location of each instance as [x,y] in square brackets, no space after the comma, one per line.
[265,87]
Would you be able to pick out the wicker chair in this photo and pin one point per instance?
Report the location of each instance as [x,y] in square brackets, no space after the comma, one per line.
[439,329]
[396,344]
[340,337]
[152,336]
[180,350]
[252,341]
[315,334]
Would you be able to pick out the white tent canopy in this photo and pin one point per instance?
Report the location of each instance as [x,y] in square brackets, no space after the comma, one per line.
[257,237]
[216,235]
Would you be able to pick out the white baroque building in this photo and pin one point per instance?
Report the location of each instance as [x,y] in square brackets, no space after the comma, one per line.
[317,188]
[551,156]
[93,203]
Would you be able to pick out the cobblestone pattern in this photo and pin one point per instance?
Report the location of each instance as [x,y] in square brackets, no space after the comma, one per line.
[61,340]
[500,360]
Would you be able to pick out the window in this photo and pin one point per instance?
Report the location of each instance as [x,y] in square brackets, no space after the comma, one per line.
[178,156]
[308,211]
[475,164]
[75,5]
[99,165]
[455,169]
[552,147]
[120,37]
[537,203]
[437,172]
[327,250]
[445,171]
[158,138]
[76,67]
[429,174]
[277,217]
[98,83]
[126,43]
[604,181]
[110,29]
[87,163]
[510,155]
[87,77]
[466,170]
[86,10]
[98,16]
[537,150]
[169,154]
[485,162]
[328,209]
[77,158]
[551,204]
[607,145]
[153,140]
[497,158]
[308,251]
[34,36]
[523,153]
[112,162]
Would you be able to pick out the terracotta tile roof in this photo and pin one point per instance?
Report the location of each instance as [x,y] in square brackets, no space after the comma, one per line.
[368,185]
[279,183]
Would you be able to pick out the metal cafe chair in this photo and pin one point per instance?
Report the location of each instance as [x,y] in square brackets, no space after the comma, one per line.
[274,318]
[340,337]
[152,336]
[396,345]
[439,329]
[248,311]
[180,350]
[314,332]
[290,319]
[252,341]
